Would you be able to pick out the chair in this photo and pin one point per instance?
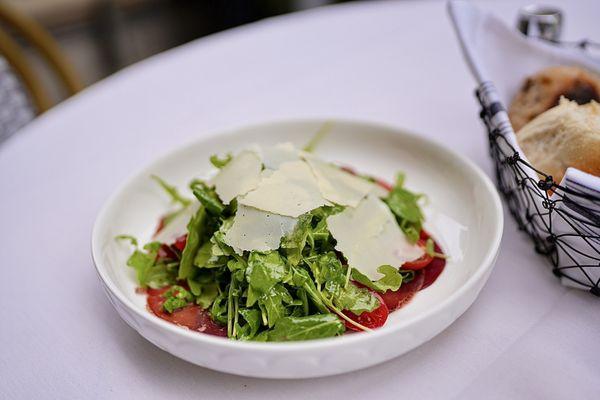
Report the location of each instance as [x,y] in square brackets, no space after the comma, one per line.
[22,93]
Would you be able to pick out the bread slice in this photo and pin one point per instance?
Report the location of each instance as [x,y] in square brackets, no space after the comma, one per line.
[567,135]
[542,91]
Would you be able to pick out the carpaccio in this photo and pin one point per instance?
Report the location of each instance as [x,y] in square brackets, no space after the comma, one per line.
[426,270]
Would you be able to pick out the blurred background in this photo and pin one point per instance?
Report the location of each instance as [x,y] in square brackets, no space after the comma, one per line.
[51,49]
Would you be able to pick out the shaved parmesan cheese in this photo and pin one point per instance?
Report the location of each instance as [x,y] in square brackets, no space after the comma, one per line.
[370,237]
[379,191]
[178,225]
[291,190]
[254,229]
[274,156]
[337,185]
[238,177]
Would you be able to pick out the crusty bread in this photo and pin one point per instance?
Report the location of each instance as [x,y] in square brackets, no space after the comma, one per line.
[567,135]
[542,91]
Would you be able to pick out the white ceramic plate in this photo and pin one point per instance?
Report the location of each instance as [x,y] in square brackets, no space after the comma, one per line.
[463,213]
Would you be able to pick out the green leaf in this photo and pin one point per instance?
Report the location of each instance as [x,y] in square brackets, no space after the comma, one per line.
[412,231]
[220,162]
[218,310]
[404,204]
[392,279]
[210,256]
[252,325]
[172,191]
[355,299]
[303,310]
[175,298]
[196,230]
[326,268]
[302,279]
[265,270]
[293,243]
[204,285]
[237,265]
[274,303]
[319,235]
[430,249]
[305,328]
[148,272]
[207,197]
[209,293]
[221,248]
[400,178]
[128,238]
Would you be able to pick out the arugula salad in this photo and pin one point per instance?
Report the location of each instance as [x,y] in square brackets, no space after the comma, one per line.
[280,245]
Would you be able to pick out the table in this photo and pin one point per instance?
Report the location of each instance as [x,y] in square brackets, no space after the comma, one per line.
[394,62]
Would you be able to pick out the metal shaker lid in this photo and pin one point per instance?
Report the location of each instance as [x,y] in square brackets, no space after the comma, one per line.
[544,22]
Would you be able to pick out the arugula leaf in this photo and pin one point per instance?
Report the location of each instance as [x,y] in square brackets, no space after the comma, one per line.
[208,256]
[148,272]
[221,248]
[233,295]
[129,238]
[293,243]
[220,162]
[274,304]
[304,328]
[172,191]
[237,264]
[303,309]
[405,206]
[207,197]
[319,235]
[392,279]
[218,310]
[355,299]
[204,286]
[196,230]
[430,249]
[326,268]
[175,298]
[252,325]
[209,293]
[302,279]
[265,270]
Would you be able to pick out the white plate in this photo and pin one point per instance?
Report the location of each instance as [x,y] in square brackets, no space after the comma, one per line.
[463,213]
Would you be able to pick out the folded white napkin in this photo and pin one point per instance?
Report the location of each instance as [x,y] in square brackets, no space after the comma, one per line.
[500,58]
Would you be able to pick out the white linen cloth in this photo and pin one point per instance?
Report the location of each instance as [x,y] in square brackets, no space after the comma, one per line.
[396,62]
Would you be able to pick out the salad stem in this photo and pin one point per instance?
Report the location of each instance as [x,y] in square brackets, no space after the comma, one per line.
[318,137]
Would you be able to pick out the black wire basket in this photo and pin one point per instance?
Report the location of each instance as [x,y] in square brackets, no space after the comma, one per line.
[562,221]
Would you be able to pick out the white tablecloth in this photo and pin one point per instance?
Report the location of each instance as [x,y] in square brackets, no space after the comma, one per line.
[395,62]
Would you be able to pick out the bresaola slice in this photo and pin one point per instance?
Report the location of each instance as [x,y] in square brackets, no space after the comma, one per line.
[396,299]
[191,316]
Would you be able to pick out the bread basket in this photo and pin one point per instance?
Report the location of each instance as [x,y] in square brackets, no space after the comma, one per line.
[561,218]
